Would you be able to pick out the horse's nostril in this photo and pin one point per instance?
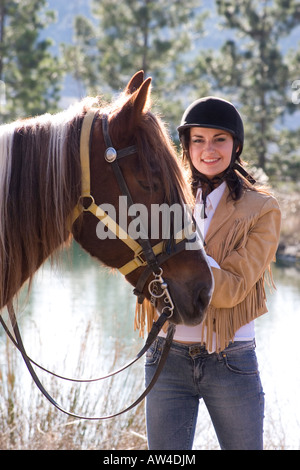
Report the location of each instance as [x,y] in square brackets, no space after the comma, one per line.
[203,298]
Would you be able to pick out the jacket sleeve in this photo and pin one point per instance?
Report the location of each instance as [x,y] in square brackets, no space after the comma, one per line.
[245,265]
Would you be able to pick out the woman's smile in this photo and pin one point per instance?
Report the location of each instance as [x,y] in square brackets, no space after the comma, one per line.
[209,161]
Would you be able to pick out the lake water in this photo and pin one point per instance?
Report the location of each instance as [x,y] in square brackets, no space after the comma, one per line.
[78,321]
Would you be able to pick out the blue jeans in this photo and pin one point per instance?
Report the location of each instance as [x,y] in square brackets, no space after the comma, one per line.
[229,384]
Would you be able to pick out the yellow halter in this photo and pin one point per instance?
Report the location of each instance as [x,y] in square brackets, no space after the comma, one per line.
[98,212]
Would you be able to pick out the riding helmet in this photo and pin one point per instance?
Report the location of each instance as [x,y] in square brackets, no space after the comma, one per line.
[214,113]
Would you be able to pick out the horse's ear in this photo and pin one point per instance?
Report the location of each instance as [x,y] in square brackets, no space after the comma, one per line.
[141,98]
[134,83]
[136,104]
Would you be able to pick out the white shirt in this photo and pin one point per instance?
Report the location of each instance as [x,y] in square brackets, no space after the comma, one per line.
[194,334]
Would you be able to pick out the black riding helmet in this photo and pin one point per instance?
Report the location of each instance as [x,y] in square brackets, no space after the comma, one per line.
[214,113]
[217,113]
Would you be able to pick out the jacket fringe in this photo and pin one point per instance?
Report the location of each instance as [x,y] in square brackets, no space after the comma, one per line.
[224,322]
[145,315]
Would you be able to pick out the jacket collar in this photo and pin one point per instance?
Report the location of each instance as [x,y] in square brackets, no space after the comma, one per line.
[224,211]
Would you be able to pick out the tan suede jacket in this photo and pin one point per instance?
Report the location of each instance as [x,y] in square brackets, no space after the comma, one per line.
[242,237]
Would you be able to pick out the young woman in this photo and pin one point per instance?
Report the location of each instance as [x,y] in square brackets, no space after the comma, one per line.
[216,360]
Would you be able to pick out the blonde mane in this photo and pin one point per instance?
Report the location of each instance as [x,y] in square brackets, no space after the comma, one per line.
[39,186]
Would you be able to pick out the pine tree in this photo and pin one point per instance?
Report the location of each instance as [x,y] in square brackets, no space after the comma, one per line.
[124,37]
[252,70]
[29,74]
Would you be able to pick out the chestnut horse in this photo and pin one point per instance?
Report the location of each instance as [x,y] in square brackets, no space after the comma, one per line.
[60,173]
[41,183]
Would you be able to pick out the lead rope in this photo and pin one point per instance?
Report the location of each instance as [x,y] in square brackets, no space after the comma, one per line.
[157,289]
[20,346]
[156,327]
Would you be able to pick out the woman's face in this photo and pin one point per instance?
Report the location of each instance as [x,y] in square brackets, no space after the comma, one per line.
[210,150]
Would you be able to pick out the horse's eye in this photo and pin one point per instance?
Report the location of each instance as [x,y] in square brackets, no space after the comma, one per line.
[149,186]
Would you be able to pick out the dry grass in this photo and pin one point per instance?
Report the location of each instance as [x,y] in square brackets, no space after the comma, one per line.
[29,422]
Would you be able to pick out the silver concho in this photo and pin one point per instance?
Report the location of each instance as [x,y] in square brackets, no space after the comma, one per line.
[110,154]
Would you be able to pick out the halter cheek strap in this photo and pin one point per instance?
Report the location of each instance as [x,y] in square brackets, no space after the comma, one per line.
[86,201]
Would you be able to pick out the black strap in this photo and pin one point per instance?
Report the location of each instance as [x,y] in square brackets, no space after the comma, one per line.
[143,242]
[245,173]
[156,327]
[120,153]
[27,360]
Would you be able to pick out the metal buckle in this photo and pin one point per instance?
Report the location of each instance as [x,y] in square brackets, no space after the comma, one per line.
[86,208]
[139,260]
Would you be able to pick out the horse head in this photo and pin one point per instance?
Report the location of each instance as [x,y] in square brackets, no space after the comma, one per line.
[153,179]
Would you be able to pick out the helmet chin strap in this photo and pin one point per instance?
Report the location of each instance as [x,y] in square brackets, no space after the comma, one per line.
[235,165]
[243,172]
